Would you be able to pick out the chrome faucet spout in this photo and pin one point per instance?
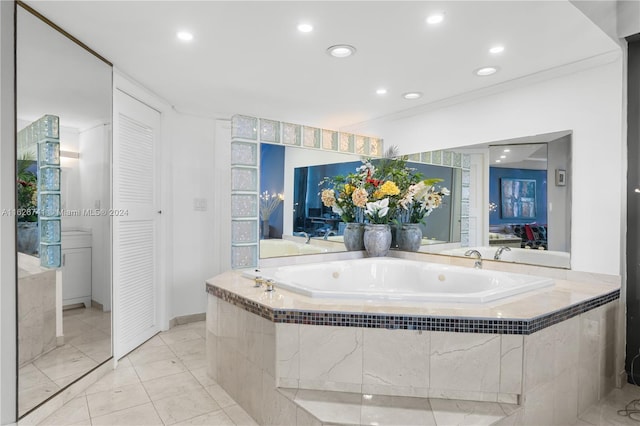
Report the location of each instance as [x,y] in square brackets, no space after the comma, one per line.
[499,252]
[329,232]
[478,256]
[307,236]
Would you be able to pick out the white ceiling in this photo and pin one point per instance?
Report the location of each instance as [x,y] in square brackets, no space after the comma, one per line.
[248,57]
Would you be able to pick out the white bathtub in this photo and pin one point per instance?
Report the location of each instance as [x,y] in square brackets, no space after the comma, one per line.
[399,279]
[555,259]
[276,248]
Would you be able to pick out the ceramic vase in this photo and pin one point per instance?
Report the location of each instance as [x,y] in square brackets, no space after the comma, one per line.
[27,241]
[377,239]
[409,237]
[265,229]
[354,236]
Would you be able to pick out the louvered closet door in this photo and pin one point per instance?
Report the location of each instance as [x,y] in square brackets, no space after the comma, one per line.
[135,275]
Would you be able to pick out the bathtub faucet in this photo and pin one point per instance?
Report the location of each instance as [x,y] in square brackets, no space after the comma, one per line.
[329,232]
[476,253]
[499,252]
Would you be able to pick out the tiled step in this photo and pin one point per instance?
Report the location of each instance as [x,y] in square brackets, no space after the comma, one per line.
[332,408]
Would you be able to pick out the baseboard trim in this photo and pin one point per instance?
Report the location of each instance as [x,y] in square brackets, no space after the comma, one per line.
[97,305]
[186,319]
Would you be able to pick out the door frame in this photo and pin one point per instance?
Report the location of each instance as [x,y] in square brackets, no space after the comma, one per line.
[127,86]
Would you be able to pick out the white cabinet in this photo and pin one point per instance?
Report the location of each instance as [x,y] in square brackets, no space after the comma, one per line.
[76,268]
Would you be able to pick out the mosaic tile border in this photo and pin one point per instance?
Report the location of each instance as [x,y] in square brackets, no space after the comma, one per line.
[410,322]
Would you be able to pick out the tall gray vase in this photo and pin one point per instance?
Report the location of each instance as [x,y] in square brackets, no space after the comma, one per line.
[354,236]
[409,237]
[377,239]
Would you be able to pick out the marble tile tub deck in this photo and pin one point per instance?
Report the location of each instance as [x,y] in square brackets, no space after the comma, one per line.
[550,352]
[522,314]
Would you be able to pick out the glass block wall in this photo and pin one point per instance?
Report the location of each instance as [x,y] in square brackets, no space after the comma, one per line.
[246,135]
[43,137]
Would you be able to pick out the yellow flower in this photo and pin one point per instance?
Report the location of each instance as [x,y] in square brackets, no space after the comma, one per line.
[389,188]
[348,189]
[378,194]
[328,197]
[359,197]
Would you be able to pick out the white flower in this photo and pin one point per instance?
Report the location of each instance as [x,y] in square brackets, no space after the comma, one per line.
[336,209]
[378,208]
[445,191]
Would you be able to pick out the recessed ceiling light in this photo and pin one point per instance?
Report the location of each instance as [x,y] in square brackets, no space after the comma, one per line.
[503,156]
[637,190]
[381,91]
[412,95]
[341,50]
[507,150]
[496,49]
[435,18]
[305,28]
[184,35]
[485,71]
[497,161]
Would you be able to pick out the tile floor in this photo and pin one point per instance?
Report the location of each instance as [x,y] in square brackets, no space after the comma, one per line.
[87,334]
[164,382]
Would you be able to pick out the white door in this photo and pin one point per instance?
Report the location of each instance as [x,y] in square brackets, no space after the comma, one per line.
[136,215]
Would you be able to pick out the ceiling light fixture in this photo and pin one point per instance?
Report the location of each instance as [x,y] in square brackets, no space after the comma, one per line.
[305,28]
[341,50]
[503,156]
[496,49]
[485,71]
[497,161]
[435,18]
[184,35]
[381,91]
[412,95]
[507,150]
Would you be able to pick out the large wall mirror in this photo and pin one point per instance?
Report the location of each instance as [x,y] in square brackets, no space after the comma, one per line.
[64,313]
[519,198]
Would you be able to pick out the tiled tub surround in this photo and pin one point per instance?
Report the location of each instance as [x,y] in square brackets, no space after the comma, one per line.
[36,309]
[551,351]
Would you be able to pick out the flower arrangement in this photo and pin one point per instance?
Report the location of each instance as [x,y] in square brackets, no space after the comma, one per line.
[382,191]
[27,191]
[420,200]
[268,204]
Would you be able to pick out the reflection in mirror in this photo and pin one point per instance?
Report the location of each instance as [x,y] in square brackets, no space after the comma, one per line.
[529,209]
[64,314]
[319,221]
[314,228]
[535,229]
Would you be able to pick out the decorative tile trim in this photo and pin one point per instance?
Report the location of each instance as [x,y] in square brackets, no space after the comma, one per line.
[413,322]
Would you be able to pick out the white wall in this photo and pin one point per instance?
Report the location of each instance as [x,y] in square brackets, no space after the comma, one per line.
[94,185]
[628,17]
[558,197]
[194,235]
[8,360]
[588,102]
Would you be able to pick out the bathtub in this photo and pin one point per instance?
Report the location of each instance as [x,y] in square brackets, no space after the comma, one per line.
[277,248]
[399,279]
[555,259]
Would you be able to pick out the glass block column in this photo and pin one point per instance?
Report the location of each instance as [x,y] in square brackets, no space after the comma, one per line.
[44,134]
[245,188]
[464,161]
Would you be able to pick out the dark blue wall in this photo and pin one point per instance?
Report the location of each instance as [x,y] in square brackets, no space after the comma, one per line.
[272,180]
[540,176]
